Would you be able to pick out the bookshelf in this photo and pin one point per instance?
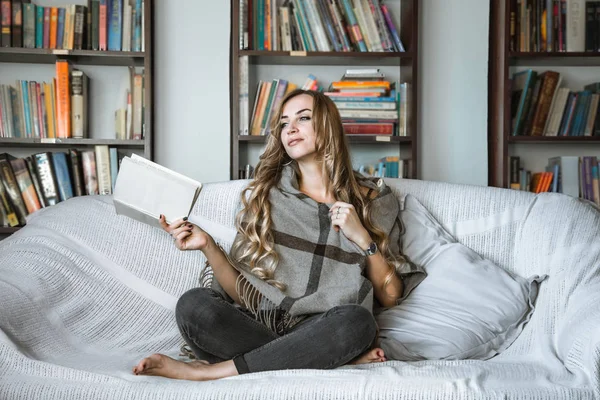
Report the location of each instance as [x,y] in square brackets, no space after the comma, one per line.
[577,69]
[329,66]
[37,64]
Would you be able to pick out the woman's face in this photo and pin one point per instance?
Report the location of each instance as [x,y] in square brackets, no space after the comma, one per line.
[297,133]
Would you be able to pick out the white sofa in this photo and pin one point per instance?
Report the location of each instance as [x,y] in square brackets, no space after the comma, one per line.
[84,294]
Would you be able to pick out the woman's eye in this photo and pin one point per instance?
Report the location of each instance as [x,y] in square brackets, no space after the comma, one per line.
[283,124]
[305,118]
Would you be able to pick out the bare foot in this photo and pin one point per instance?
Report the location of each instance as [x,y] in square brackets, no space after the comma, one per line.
[161,365]
[372,356]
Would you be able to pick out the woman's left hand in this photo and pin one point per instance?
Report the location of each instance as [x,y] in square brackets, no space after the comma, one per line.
[343,216]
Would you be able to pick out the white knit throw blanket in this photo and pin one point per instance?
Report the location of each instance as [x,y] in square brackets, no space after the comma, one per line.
[85,294]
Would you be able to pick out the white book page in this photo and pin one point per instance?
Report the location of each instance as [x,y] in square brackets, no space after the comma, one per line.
[153,191]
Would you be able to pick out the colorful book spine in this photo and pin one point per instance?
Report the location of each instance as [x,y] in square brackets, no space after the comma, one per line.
[102,25]
[5,23]
[115,25]
[53,27]
[60,27]
[29,15]
[63,99]
[63,177]
[392,28]
[46,34]
[25,184]
[39,27]
[137,28]
[47,177]
[76,172]
[17,24]
[353,25]
[95,6]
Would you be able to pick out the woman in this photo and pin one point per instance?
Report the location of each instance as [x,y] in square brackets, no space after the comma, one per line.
[316,243]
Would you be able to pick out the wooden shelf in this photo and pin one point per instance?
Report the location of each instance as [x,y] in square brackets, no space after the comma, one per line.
[9,230]
[89,57]
[326,58]
[554,139]
[556,59]
[38,142]
[363,139]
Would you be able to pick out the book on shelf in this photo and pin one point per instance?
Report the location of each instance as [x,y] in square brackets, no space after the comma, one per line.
[47,178]
[60,109]
[366,103]
[94,26]
[387,167]
[79,104]
[144,190]
[540,107]
[575,176]
[318,25]
[551,25]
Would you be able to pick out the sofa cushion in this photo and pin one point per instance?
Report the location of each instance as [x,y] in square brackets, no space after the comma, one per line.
[466,308]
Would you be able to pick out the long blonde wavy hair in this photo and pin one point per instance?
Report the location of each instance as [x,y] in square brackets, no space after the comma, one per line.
[255,246]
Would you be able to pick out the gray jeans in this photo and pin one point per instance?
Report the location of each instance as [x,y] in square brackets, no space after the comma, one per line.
[216,331]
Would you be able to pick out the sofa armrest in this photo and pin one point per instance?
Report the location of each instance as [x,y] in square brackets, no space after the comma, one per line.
[578,334]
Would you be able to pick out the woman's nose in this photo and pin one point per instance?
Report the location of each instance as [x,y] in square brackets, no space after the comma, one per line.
[292,127]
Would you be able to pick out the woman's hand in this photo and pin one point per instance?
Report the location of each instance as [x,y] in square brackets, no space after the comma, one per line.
[187,236]
[343,216]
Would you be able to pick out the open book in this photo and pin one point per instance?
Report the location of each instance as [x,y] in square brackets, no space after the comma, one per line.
[144,190]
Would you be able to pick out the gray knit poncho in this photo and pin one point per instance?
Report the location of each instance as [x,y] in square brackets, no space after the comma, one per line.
[321,267]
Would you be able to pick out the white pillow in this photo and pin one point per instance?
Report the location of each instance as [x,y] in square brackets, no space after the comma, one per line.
[466,308]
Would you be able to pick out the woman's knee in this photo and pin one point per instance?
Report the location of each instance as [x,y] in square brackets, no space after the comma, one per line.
[195,305]
[356,324]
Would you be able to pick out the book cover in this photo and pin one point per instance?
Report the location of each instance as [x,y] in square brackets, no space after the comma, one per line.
[78,26]
[63,176]
[5,23]
[11,187]
[17,24]
[79,104]
[173,194]
[9,212]
[46,34]
[76,172]
[25,184]
[102,24]
[95,6]
[39,27]
[114,166]
[53,27]
[115,25]
[63,99]
[47,178]
[88,163]
[29,161]
[60,27]
[103,169]
[29,15]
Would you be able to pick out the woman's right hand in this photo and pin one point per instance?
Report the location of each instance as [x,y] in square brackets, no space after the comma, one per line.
[187,236]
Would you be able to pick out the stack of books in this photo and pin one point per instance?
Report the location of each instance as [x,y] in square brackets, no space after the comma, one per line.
[370,105]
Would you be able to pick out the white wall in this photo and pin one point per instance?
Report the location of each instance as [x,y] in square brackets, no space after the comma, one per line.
[192,89]
[454,42]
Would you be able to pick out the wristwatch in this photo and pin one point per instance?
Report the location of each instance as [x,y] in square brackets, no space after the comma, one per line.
[372,249]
